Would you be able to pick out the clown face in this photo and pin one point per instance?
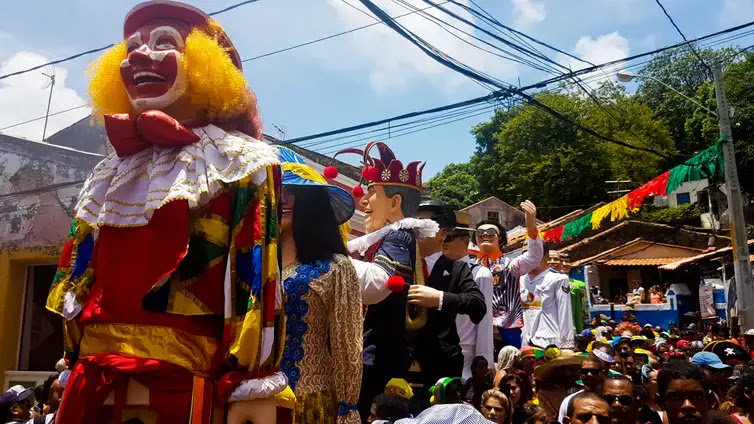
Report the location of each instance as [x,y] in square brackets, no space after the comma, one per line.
[153,72]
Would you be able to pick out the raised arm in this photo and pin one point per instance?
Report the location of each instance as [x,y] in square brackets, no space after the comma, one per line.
[529,260]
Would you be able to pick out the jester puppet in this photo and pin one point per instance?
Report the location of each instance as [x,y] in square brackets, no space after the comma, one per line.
[169,283]
[390,255]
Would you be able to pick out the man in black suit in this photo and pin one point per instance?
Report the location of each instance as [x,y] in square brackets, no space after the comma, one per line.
[449,290]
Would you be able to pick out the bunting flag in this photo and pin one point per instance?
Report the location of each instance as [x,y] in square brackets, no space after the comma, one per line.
[704,165]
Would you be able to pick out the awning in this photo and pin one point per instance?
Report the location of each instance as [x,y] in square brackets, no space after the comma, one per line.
[640,252]
[695,259]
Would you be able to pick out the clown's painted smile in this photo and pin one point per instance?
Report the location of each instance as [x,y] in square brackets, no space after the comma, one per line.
[152,72]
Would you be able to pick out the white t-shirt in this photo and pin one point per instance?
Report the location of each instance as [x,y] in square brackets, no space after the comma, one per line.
[546,301]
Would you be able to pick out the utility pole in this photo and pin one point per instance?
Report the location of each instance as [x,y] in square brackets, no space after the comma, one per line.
[741,264]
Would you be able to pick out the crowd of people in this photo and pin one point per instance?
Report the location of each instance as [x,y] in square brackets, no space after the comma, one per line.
[637,375]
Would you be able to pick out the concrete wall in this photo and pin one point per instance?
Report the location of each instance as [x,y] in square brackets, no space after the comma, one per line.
[39,186]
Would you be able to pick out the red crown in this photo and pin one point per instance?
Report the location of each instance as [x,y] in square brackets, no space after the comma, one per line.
[387,170]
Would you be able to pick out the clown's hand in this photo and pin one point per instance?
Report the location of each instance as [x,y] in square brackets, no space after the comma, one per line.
[424,296]
[530,212]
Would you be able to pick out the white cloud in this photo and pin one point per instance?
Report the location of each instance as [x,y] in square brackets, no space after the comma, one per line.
[390,62]
[604,48]
[24,99]
[528,12]
[736,11]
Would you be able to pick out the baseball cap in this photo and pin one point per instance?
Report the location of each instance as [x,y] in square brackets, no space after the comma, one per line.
[606,357]
[14,395]
[647,325]
[587,333]
[749,332]
[708,359]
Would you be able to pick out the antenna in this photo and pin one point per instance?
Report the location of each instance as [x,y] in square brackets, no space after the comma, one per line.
[281,131]
[50,74]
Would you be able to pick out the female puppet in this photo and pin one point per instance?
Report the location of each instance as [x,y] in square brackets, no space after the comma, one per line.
[322,356]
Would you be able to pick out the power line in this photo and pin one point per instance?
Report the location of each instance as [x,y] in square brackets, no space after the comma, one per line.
[500,94]
[88,52]
[670,18]
[42,117]
[318,40]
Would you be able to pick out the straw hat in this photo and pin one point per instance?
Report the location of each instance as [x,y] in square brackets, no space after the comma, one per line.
[550,368]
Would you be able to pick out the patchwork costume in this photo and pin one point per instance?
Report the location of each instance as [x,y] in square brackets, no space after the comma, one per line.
[169,283]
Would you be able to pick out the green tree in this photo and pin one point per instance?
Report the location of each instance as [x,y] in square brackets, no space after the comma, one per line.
[456,186]
[739,89]
[526,153]
[681,69]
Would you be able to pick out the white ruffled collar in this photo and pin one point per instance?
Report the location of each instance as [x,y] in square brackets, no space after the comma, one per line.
[125,192]
[422,228]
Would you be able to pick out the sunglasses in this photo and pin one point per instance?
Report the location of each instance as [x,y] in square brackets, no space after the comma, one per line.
[488,232]
[590,371]
[624,400]
[681,396]
[452,237]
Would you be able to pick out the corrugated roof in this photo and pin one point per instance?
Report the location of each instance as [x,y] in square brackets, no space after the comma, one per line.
[640,252]
[694,259]
[640,262]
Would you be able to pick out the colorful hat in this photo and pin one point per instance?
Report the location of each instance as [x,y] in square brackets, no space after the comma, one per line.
[151,11]
[385,170]
[400,387]
[439,390]
[296,173]
[533,352]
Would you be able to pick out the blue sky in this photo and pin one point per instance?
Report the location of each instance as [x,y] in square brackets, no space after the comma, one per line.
[363,76]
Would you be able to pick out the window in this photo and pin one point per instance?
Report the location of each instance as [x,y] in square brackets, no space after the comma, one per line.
[493,216]
[42,331]
[683,198]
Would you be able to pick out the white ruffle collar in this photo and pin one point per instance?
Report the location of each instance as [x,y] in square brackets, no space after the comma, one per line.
[422,228]
[125,192]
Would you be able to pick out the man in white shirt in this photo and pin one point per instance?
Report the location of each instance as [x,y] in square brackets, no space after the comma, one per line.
[475,339]
[546,301]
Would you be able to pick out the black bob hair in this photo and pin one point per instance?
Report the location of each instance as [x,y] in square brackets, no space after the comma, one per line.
[315,229]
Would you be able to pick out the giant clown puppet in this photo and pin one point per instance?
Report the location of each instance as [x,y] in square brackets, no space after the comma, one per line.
[169,283]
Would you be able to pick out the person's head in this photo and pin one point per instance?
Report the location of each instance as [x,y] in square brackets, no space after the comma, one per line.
[301,207]
[506,358]
[592,373]
[715,372]
[496,407]
[649,379]
[581,342]
[619,393]
[544,263]
[480,368]
[385,204]
[456,244]
[530,414]
[16,403]
[490,236]
[52,392]
[444,217]
[389,407]
[517,388]
[587,408]
[745,389]
[681,394]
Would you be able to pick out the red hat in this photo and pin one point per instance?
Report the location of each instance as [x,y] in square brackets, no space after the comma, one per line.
[149,11]
[387,170]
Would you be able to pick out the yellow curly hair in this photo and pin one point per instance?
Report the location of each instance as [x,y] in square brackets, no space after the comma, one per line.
[215,87]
